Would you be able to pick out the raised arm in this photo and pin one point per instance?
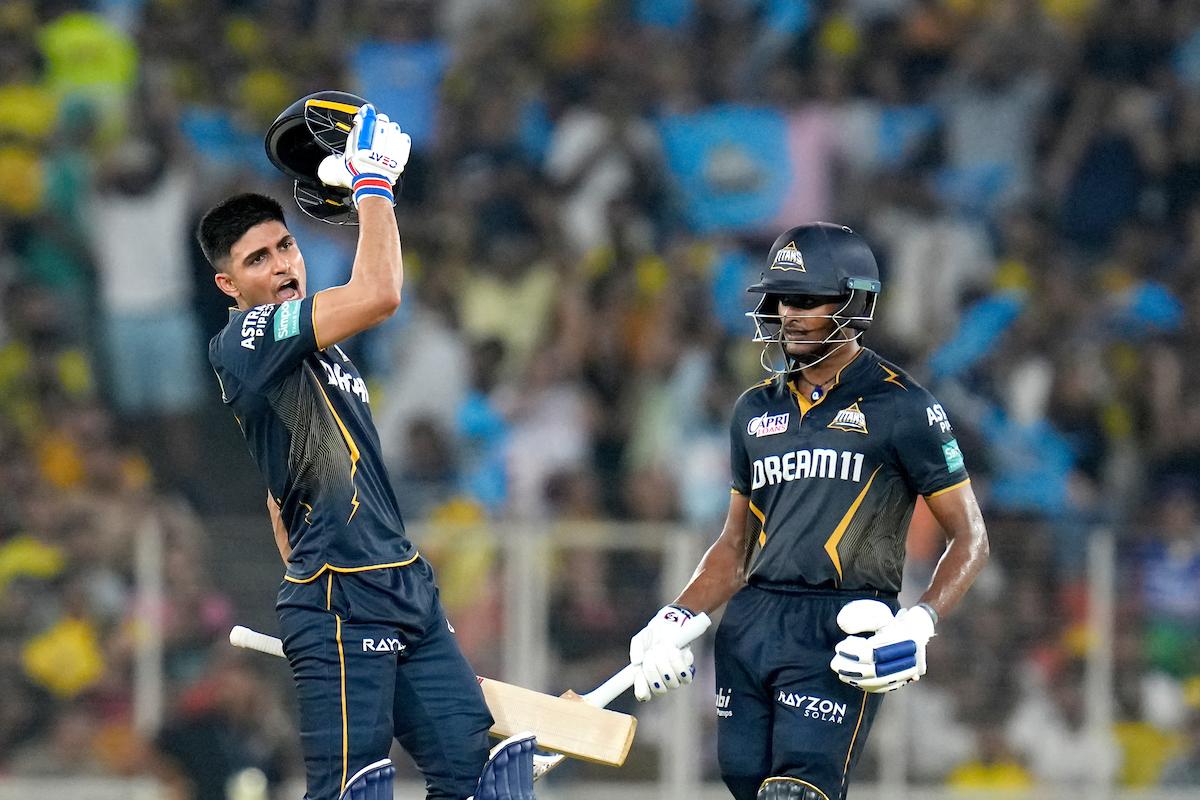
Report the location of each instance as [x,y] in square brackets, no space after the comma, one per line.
[376,152]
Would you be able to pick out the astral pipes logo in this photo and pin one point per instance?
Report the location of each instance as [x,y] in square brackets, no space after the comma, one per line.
[768,425]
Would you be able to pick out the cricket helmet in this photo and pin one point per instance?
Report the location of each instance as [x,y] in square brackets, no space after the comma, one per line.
[298,140]
[817,260]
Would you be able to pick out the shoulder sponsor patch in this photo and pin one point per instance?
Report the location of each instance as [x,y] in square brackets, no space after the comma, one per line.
[768,424]
[287,320]
[954,456]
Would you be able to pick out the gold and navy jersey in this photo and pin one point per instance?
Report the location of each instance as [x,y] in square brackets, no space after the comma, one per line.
[306,416]
[832,483]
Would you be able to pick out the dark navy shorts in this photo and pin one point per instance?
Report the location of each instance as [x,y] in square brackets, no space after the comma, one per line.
[780,709]
[374,658]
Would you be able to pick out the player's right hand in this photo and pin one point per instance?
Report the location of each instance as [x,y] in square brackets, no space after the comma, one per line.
[663,665]
[376,154]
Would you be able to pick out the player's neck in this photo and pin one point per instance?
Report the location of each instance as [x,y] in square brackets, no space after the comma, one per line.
[824,374]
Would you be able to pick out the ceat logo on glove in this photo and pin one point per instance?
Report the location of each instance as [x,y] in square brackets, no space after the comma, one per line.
[383,161]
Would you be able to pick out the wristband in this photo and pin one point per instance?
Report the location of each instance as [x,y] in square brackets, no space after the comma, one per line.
[687,612]
[367,184]
[933,615]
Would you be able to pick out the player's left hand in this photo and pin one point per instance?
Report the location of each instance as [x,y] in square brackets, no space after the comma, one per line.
[894,656]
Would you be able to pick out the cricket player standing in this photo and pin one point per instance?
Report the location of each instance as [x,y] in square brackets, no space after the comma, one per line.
[828,457]
[369,646]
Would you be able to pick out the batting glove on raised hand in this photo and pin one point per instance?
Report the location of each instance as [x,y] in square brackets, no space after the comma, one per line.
[894,656]
[663,665]
[376,154]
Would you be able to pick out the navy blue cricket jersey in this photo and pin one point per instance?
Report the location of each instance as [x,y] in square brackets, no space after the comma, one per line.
[832,484]
[306,416]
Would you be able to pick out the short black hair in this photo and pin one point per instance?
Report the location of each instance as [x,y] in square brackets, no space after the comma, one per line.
[228,221]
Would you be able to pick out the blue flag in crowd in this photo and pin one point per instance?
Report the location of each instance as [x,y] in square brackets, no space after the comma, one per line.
[403,79]
[730,164]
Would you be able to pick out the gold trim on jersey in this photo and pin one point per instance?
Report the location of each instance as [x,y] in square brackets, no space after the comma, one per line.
[347,570]
[850,750]
[762,523]
[835,538]
[950,488]
[345,721]
[354,454]
[893,377]
[807,405]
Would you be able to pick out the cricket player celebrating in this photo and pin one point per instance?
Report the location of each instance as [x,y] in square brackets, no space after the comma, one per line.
[828,457]
[370,649]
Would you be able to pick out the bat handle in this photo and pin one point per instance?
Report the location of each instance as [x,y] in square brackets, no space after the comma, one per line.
[615,686]
[241,636]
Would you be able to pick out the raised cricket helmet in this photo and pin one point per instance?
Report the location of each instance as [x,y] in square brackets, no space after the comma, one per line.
[817,264]
[298,140]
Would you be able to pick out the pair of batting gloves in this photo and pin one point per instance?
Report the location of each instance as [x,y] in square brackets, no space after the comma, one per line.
[882,652]
[376,153]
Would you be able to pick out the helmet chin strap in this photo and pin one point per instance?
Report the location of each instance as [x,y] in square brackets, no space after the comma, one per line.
[832,345]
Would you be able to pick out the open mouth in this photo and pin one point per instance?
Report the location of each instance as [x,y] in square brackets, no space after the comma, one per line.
[288,290]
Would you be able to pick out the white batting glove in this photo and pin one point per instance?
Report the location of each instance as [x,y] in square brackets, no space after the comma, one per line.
[663,665]
[894,656]
[376,154]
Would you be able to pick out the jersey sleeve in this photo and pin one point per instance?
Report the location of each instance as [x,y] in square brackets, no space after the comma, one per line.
[739,458]
[261,345]
[925,445]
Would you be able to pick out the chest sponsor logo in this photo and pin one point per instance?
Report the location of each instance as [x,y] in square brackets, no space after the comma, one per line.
[817,708]
[390,645]
[820,462]
[336,376]
[724,700]
[954,456]
[287,320]
[789,259]
[850,419]
[768,425]
[254,323]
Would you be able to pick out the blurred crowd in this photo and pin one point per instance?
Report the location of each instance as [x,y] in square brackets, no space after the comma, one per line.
[594,183]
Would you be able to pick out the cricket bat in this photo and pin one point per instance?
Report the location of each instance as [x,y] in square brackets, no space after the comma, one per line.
[572,725]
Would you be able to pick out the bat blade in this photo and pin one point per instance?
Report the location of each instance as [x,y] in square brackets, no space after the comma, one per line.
[562,724]
[575,725]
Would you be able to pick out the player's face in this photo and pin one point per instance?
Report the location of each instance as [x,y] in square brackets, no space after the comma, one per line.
[264,266]
[807,323]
